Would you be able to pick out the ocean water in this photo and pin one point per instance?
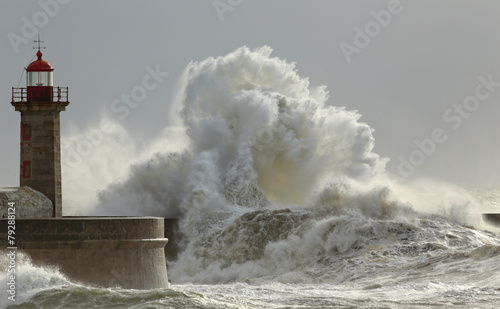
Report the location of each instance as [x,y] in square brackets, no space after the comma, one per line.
[343,261]
[284,204]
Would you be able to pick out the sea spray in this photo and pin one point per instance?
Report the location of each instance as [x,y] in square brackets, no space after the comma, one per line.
[278,184]
[46,287]
[30,279]
[227,102]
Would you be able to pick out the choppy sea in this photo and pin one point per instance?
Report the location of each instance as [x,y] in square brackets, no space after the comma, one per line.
[346,261]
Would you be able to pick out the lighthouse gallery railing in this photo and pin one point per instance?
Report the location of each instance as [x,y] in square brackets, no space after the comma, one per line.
[60,94]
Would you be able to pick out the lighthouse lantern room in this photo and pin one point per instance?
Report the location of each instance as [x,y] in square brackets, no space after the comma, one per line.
[39,79]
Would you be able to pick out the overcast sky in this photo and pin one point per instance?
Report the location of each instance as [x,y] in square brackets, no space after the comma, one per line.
[415,70]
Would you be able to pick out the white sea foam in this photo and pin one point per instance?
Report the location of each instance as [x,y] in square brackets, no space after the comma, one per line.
[276,183]
[29,279]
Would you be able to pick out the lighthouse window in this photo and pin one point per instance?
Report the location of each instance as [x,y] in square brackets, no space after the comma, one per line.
[26,169]
[26,131]
[40,78]
[32,78]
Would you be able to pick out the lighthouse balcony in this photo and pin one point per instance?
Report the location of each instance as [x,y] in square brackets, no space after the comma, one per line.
[40,94]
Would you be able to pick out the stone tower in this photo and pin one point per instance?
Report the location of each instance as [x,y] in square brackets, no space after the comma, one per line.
[40,104]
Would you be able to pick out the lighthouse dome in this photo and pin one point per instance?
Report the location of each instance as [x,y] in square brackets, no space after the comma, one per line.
[39,65]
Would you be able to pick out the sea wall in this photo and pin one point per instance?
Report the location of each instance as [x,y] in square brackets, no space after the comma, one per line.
[99,251]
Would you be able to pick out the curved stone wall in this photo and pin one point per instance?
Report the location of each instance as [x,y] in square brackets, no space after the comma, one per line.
[100,251]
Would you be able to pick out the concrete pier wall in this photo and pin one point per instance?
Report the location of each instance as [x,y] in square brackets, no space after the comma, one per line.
[99,251]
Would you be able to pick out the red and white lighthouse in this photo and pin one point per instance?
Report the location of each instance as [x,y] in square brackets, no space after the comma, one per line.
[40,104]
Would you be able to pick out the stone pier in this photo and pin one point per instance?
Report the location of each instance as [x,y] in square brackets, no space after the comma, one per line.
[100,251]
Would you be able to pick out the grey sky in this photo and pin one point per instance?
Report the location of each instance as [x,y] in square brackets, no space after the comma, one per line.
[429,56]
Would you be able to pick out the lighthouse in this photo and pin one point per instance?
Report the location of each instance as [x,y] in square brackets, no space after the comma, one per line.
[99,251]
[40,104]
